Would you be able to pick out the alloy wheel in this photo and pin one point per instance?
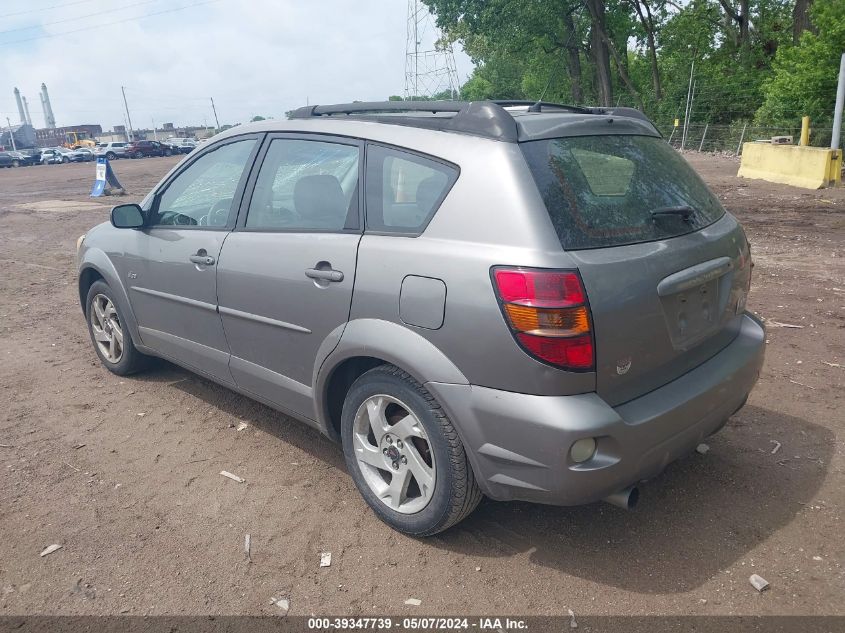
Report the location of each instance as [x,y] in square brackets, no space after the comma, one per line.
[393,454]
[107,329]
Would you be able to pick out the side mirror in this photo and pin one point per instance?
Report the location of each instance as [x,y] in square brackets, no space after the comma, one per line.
[127,216]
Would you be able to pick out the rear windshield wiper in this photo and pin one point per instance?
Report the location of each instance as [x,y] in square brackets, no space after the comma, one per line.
[685,211]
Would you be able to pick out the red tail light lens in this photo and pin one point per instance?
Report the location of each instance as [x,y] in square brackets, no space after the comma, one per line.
[546,289]
[548,314]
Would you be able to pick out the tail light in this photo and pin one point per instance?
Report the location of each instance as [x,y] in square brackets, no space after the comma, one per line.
[548,314]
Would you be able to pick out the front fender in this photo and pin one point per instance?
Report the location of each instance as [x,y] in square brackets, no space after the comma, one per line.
[387,341]
[96,259]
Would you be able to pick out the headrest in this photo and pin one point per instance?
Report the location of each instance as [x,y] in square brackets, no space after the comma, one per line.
[319,198]
[429,191]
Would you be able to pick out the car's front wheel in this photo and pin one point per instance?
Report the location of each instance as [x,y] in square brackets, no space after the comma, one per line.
[65,160]
[111,155]
[405,455]
[109,334]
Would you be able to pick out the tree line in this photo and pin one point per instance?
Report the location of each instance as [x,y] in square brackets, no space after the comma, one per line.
[764,61]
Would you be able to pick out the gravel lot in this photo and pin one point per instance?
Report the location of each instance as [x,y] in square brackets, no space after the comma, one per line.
[123,473]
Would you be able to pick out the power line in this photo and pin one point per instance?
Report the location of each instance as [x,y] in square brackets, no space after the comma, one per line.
[55,6]
[81,17]
[99,26]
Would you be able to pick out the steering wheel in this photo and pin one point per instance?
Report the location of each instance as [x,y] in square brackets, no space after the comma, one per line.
[218,215]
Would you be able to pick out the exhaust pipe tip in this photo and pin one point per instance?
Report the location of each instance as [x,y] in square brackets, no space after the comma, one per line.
[627,498]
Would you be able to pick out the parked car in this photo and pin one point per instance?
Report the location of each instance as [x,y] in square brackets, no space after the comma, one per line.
[112,150]
[52,156]
[30,156]
[539,303]
[8,160]
[174,149]
[142,149]
[21,159]
[81,155]
[182,145]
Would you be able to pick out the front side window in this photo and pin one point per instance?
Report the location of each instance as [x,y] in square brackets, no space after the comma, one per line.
[403,189]
[306,186]
[614,190]
[203,194]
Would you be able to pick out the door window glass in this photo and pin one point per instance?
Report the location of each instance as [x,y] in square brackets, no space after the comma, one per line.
[404,190]
[203,194]
[306,185]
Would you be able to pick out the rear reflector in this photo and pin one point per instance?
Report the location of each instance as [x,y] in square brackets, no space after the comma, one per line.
[572,353]
[548,315]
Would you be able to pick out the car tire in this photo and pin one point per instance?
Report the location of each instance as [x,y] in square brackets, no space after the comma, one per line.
[111,155]
[65,160]
[121,359]
[16,163]
[417,438]
[167,152]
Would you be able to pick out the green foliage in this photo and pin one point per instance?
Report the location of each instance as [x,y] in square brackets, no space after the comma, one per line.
[523,49]
[804,78]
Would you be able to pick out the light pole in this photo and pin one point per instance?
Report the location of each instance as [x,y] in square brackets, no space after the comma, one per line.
[11,134]
[128,118]
[216,120]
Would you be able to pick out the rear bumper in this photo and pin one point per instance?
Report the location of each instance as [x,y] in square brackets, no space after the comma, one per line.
[519,444]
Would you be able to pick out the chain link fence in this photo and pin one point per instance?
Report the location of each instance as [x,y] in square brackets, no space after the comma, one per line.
[728,139]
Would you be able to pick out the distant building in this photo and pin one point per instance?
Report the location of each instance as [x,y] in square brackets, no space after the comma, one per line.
[24,136]
[53,137]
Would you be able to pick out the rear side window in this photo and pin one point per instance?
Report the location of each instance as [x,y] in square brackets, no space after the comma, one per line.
[404,190]
[602,190]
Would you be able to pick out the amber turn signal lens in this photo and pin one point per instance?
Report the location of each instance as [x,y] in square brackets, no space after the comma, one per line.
[548,321]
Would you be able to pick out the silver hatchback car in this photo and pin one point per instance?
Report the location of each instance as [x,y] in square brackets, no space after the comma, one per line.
[524,301]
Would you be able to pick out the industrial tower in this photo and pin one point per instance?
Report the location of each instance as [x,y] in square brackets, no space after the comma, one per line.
[429,62]
[49,119]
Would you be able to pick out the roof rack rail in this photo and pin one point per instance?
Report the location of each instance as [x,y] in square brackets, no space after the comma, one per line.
[539,106]
[479,118]
[489,119]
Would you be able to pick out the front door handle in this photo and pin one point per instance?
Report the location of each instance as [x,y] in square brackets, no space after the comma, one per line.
[325,275]
[203,260]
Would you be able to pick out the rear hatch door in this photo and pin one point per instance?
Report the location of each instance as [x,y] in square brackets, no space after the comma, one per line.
[666,270]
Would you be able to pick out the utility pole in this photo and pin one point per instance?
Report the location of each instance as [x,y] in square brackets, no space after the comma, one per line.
[840,102]
[213,109]
[155,132]
[416,49]
[11,134]
[687,109]
[128,118]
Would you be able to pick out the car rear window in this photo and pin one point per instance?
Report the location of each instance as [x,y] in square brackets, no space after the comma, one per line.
[602,190]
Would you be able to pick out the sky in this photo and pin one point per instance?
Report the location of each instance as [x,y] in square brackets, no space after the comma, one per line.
[254,57]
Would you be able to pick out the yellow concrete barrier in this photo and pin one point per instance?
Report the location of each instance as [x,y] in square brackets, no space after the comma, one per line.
[807,167]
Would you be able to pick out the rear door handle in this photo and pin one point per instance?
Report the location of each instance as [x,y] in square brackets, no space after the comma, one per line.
[326,275]
[204,260]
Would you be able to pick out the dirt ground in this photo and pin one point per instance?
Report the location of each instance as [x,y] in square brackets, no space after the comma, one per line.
[123,472]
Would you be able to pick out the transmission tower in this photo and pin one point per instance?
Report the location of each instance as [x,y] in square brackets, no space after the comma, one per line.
[429,62]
